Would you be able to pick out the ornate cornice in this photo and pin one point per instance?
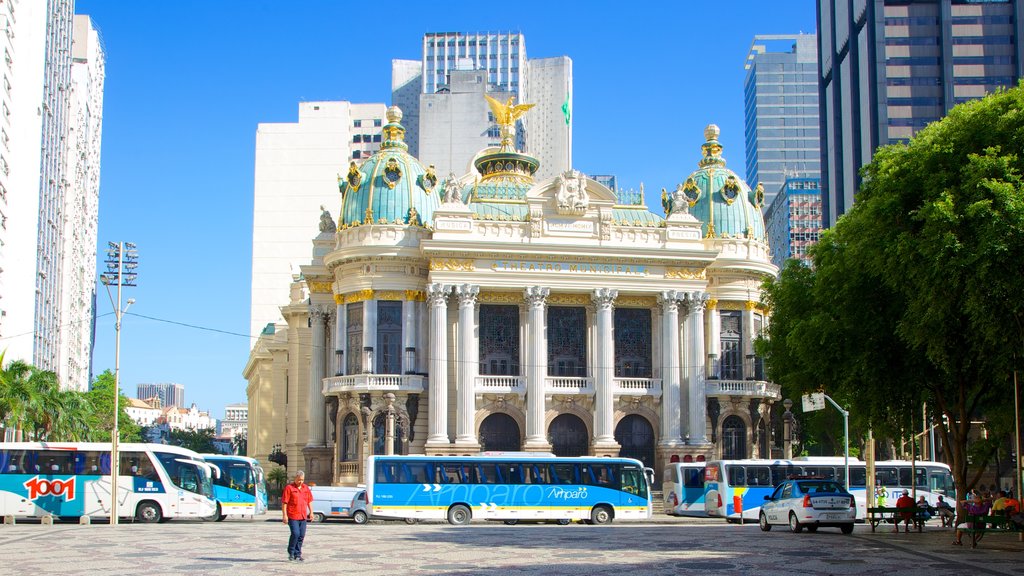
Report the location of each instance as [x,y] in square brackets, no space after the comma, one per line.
[569,300]
[360,296]
[389,295]
[416,295]
[500,298]
[634,301]
[319,286]
[730,305]
[686,273]
[751,305]
[452,265]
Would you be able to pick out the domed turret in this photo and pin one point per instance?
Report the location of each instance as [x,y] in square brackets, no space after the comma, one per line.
[390,187]
[721,200]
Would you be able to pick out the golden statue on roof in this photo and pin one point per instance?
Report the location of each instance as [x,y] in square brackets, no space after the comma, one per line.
[505,115]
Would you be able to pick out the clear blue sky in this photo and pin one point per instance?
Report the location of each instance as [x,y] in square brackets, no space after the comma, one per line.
[188,81]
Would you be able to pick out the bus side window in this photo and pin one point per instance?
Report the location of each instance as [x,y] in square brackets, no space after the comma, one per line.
[904,476]
[858,476]
[737,475]
[886,477]
[759,476]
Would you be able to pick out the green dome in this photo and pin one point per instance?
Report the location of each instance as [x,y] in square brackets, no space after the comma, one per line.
[506,175]
[390,187]
[721,200]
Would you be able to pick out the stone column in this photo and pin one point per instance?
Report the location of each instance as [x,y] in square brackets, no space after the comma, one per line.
[537,368]
[409,347]
[465,429]
[437,301]
[714,331]
[747,330]
[340,338]
[318,366]
[604,373]
[698,403]
[369,336]
[671,426]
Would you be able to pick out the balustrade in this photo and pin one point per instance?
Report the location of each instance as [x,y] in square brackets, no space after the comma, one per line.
[372,382]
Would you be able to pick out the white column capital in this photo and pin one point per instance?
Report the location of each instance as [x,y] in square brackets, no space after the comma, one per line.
[437,294]
[670,299]
[536,296]
[604,298]
[696,301]
[467,294]
[320,313]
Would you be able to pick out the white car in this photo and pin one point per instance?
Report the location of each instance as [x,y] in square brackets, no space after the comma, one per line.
[808,503]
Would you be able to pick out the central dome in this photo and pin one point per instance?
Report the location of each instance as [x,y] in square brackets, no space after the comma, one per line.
[390,187]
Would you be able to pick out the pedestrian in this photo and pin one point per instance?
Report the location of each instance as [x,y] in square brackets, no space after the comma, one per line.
[297,509]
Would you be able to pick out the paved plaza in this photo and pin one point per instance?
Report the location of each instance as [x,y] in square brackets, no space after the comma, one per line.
[661,546]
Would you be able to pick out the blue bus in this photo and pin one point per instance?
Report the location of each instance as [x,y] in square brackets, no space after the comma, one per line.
[507,488]
[70,480]
[683,489]
[240,489]
[735,489]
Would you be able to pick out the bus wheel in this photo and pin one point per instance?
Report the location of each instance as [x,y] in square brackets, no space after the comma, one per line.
[148,513]
[215,517]
[563,521]
[601,515]
[360,517]
[459,515]
[411,521]
[318,517]
[511,522]
[221,517]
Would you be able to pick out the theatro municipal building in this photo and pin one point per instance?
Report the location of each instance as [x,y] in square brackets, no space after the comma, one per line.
[450,314]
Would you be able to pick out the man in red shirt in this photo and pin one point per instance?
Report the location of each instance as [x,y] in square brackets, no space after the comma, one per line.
[297,509]
[907,516]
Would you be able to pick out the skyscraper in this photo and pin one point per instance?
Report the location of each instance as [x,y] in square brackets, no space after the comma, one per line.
[456,64]
[781,110]
[297,170]
[793,220]
[169,394]
[889,67]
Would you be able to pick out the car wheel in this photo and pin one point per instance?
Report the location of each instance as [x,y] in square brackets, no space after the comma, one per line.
[794,524]
[511,522]
[360,517]
[148,513]
[812,529]
[459,515]
[847,528]
[763,523]
[601,515]
[318,517]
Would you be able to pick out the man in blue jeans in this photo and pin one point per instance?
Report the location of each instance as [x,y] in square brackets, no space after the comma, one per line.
[297,509]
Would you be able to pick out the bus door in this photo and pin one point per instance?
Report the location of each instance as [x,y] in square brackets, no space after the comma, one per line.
[189,485]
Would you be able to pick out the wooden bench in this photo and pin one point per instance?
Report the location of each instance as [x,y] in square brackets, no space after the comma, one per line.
[981,525]
[886,515]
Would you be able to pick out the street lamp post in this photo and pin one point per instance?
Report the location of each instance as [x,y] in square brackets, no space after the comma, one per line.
[122,260]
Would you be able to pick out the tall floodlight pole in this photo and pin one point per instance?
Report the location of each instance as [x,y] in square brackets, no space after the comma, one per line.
[122,259]
[816,401]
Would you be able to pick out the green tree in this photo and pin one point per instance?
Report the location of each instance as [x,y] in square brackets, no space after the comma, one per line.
[19,397]
[240,443]
[196,440]
[915,293]
[277,477]
[101,419]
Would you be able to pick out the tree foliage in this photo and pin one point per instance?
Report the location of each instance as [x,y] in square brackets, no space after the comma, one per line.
[914,295]
[196,440]
[101,400]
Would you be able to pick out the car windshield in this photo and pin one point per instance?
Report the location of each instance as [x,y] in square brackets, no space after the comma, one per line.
[814,486]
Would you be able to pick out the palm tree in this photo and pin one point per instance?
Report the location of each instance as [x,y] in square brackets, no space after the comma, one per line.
[18,396]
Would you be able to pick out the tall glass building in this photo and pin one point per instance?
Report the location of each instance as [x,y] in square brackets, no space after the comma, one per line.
[889,67]
[793,220]
[781,110]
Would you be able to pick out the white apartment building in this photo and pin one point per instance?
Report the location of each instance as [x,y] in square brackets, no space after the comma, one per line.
[81,206]
[419,88]
[24,46]
[187,418]
[297,168]
[141,412]
[236,420]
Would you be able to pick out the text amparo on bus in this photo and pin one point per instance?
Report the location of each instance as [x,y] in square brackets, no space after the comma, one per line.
[735,489]
[70,480]
[240,489]
[507,488]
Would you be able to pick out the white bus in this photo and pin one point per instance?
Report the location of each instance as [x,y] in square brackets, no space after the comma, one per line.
[735,489]
[507,488]
[70,480]
[683,488]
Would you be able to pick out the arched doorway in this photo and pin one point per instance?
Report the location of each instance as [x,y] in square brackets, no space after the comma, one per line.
[350,438]
[734,438]
[499,432]
[568,436]
[636,436]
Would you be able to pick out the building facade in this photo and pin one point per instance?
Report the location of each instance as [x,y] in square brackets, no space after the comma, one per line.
[455,65]
[890,67]
[142,412]
[793,220]
[498,311]
[236,420]
[297,168]
[169,394]
[780,94]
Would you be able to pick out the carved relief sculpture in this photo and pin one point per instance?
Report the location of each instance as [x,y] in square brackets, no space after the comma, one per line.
[571,197]
[452,190]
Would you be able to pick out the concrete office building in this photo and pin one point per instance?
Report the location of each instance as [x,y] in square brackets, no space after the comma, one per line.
[169,394]
[445,72]
[793,220]
[780,94]
[889,67]
[296,178]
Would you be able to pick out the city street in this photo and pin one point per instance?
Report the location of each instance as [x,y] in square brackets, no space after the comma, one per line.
[661,546]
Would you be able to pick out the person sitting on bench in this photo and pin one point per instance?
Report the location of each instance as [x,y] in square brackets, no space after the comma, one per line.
[973,507]
[905,505]
[944,511]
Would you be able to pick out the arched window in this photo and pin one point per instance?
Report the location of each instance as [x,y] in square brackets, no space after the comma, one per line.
[636,437]
[350,438]
[734,438]
[568,436]
[499,432]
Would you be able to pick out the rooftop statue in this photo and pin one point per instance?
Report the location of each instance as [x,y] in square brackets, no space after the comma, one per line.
[505,115]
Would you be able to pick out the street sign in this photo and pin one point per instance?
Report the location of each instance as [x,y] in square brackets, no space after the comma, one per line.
[813,401]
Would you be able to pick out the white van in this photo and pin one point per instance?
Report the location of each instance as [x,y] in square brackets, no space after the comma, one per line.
[339,502]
